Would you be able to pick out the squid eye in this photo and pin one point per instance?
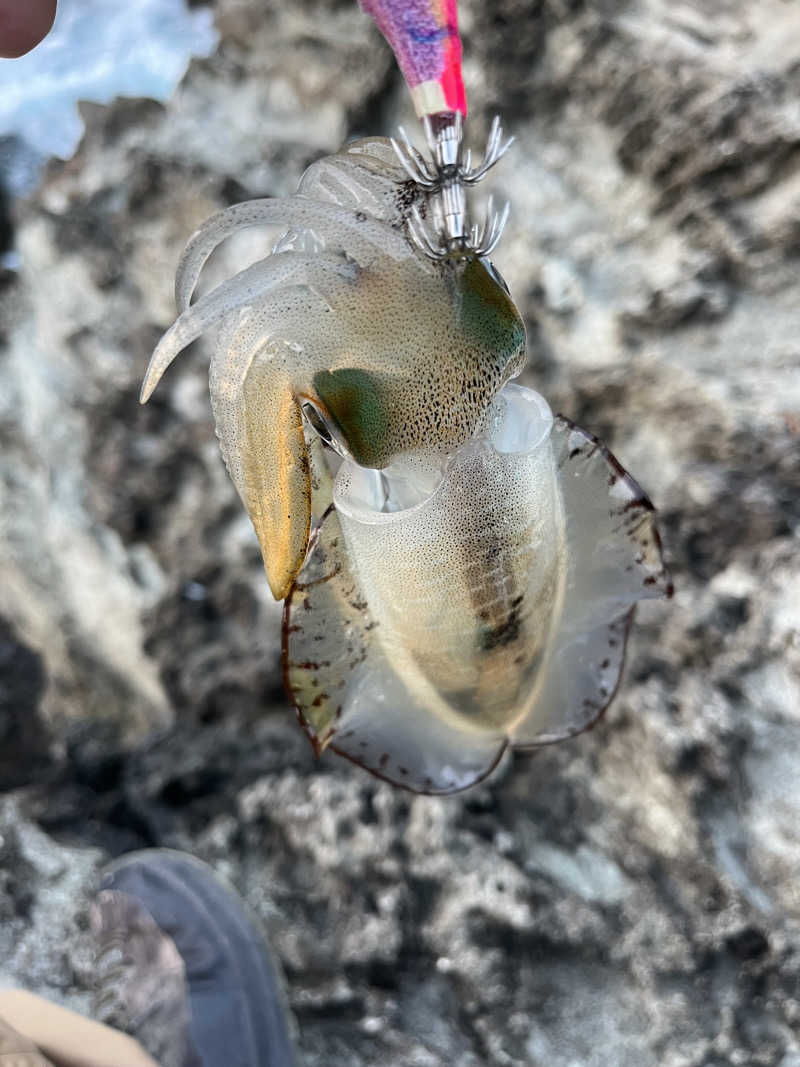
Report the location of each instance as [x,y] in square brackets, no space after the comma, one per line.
[495,274]
[317,421]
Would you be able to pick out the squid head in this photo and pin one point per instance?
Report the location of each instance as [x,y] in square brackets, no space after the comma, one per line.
[347,323]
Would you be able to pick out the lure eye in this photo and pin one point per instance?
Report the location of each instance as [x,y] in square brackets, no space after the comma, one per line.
[495,275]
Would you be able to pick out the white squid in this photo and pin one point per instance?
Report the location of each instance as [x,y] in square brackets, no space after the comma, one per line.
[467,581]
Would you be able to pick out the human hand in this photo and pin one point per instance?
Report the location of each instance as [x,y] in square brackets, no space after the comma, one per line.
[23,24]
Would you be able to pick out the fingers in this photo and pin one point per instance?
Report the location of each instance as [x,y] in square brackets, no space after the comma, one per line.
[23,24]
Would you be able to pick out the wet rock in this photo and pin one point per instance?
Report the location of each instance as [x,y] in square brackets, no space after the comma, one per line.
[629,898]
[24,742]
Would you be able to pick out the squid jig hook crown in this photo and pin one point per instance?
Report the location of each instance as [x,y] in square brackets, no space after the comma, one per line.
[445,178]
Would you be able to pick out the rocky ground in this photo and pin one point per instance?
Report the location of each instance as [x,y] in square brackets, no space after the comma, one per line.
[628,899]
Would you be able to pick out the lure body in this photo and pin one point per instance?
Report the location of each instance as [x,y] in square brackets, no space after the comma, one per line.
[433,627]
[424,38]
[397,354]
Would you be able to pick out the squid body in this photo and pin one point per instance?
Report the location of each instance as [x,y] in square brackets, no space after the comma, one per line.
[442,616]
[459,567]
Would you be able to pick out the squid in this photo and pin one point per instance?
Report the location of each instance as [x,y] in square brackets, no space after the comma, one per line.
[459,566]
[346,324]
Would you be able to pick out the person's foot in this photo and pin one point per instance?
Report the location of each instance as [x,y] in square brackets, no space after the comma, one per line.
[194,980]
[140,978]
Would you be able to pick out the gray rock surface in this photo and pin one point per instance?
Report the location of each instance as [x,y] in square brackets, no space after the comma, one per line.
[628,899]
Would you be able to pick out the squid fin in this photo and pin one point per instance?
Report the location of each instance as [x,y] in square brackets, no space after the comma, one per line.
[615,559]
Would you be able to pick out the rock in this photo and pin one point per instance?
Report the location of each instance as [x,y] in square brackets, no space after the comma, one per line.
[24,743]
[44,889]
[628,898]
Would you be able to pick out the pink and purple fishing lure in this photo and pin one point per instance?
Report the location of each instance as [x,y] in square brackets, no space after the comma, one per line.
[423,35]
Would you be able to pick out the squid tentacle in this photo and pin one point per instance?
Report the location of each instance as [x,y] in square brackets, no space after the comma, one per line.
[364,239]
[244,288]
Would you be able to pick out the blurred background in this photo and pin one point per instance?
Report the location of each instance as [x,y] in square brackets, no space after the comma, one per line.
[627,899]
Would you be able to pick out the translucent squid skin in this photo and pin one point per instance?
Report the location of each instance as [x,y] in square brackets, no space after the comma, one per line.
[397,354]
[440,619]
[459,568]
